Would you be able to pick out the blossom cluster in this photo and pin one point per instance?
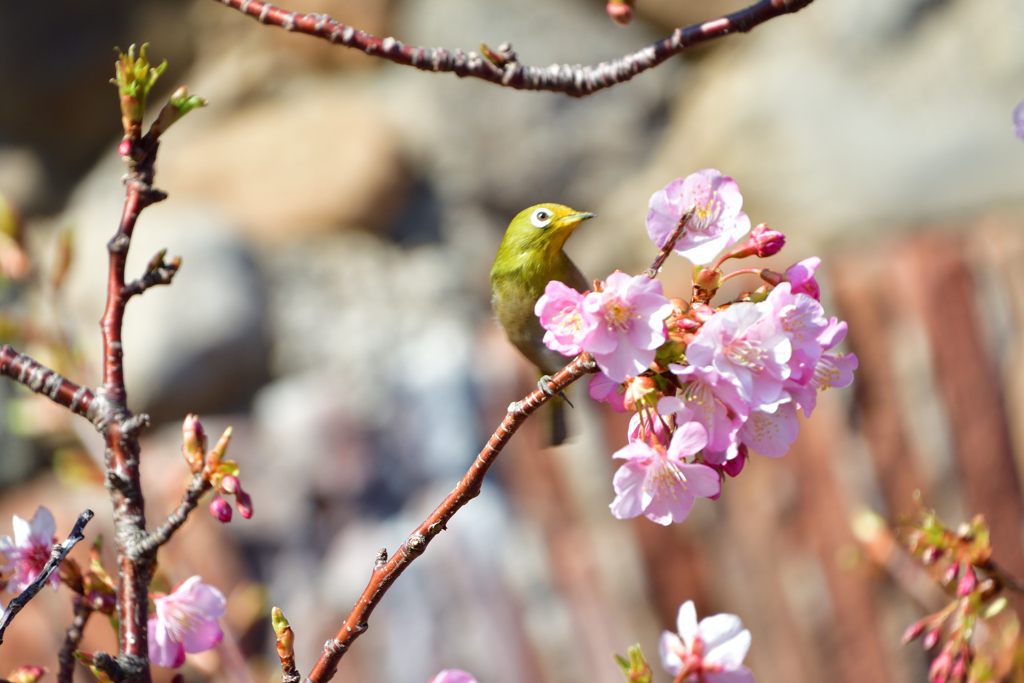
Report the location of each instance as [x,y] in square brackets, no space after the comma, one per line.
[707,384]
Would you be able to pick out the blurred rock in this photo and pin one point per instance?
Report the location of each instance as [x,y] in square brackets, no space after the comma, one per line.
[849,119]
[22,178]
[313,160]
[57,66]
[197,345]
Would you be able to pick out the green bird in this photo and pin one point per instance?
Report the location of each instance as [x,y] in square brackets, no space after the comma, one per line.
[529,257]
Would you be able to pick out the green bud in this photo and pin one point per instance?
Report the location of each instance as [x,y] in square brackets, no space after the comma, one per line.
[994,608]
[636,669]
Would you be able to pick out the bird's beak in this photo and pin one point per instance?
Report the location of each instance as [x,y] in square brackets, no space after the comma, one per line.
[574,218]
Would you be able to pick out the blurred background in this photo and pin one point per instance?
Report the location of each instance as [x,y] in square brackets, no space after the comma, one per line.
[337,217]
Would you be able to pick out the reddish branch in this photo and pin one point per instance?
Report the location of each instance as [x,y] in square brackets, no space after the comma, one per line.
[42,380]
[502,68]
[387,570]
[189,501]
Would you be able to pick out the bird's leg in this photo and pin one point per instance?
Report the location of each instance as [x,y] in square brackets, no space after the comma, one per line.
[542,384]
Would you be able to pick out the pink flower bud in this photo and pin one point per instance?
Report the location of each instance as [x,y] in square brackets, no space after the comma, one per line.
[639,391]
[26,674]
[220,509]
[939,670]
[914,630]
[125,148]
[950,574]
[930,555]
[230,485]
[930,639]
[967,582]
[193,442]
[620,12]
[243,503]
[735,466]
[766,241]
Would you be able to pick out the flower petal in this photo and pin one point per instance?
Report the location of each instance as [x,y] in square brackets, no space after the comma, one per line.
[686,623]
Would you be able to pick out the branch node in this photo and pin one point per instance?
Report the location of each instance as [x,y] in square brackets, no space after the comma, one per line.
[416,544]
[133,425]
[382,558]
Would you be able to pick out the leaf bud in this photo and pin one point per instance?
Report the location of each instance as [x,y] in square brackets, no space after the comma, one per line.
[193,442]
[26,674]
[620,12]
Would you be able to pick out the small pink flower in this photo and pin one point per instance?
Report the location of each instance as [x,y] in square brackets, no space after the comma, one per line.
[748,346]
[28,552]
[452,676]
[710,652]
[715,401]
[560,313]
[801,277]
[625,324]
[831,371]
[185,621]
[802,319]
[661,485]
[771,433]
[604,388]
[717,223]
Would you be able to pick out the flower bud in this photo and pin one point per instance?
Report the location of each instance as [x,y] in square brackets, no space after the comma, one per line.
[708,279]
[243,503]
[950,574]
[735,466]
[230,485]
[640,391]
[767,242]
[26,674]
[220,509]
[217,454]
[193,442]
[914,630]
[284,633]
[930,638]
[620,12]
[967,582]
[931,555]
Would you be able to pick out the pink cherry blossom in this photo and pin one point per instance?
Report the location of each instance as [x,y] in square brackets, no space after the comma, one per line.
[28,552]
[803,320]
[560,313]
[710,652]
[746,344]
[604,388]
[452,676]
[801,277]
[717,223]
[771,433]
[625,324]
[660,484]
[714,400]
[832,370]
[185,621]
[655,428]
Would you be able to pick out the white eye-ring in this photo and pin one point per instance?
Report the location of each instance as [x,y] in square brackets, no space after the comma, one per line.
[541,218]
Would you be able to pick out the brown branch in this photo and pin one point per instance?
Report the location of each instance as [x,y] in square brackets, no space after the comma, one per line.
[157,273]
[57,555]
[387,570]
[577,81]
[189,501]
[72,638]
[667,248]
[42,380]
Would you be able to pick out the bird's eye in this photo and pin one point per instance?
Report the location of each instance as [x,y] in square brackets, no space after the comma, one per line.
[541,218]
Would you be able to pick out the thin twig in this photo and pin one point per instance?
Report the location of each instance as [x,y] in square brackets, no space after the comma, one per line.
[57,555]
[157,273]
[72,638]
[385,573]
[1006,579]
[577,81]
[667,248]
[189,500]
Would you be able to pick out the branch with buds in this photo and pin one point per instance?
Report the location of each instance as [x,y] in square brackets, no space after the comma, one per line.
[502,67]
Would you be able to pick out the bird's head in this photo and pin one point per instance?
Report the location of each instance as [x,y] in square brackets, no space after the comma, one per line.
[544,227]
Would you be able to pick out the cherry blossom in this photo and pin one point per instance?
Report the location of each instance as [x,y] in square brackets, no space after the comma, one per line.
[832,370]
[660,484]
[747,344]
[604,388]
[185,621]
[801,276]
[710,652]
[452,676]
[710,396]
[771,433]
[803,320]
[626,324]
[559,310]
[28,552]
[717,222]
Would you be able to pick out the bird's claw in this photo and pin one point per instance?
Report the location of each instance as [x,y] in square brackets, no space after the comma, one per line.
[542,384]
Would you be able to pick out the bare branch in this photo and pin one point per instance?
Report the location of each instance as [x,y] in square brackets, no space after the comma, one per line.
[189,501]
[57,555]
[577,81]
[72,638]
[42,380]
[387,570]
[663,255]
[157,273]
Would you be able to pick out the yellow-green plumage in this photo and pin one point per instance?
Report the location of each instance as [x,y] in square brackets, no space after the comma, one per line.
[529,257]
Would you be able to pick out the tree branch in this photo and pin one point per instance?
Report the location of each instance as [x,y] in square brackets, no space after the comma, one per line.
[663,255]
[43,380]
[72,638]
[57,555]
[502,68]
[189,501]
[387,570]
[157,273]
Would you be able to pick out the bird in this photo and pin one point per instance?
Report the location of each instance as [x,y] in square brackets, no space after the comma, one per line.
[529,257]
